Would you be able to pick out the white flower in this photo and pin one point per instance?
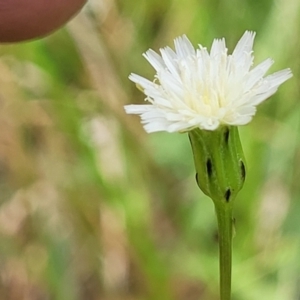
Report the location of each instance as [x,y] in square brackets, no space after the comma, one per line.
[197,89]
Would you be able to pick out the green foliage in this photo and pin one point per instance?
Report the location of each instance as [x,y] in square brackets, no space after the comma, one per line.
[92,207]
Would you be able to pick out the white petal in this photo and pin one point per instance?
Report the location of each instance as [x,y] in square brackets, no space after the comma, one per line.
[259,98]
[160,101]
[209,124]
[179,126]
[170,116]
[262,68]
[279,77]
[218,47]
[246,110]
[257,73]
[156,126]
[169,58]
[242,120]
[244,45]
[184,47]
[143,82]
[137,109]
[154,59]
[171,86]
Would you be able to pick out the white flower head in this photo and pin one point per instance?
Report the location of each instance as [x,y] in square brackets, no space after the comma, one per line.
[194,88]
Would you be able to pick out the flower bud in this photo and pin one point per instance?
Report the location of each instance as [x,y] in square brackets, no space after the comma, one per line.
[219,162]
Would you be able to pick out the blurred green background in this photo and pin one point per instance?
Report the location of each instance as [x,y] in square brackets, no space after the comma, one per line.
[94,208]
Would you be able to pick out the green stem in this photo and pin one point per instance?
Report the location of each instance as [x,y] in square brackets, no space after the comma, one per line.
[224,216]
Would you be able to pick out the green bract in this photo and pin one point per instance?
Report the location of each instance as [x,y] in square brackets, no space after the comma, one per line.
[219,162]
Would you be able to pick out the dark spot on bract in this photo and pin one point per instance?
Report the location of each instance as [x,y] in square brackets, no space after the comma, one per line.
[227,195]
[209,167]
[226,135]
[243,170]
[196,176]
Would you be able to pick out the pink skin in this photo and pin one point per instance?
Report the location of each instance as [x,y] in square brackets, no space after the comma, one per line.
[28,19]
